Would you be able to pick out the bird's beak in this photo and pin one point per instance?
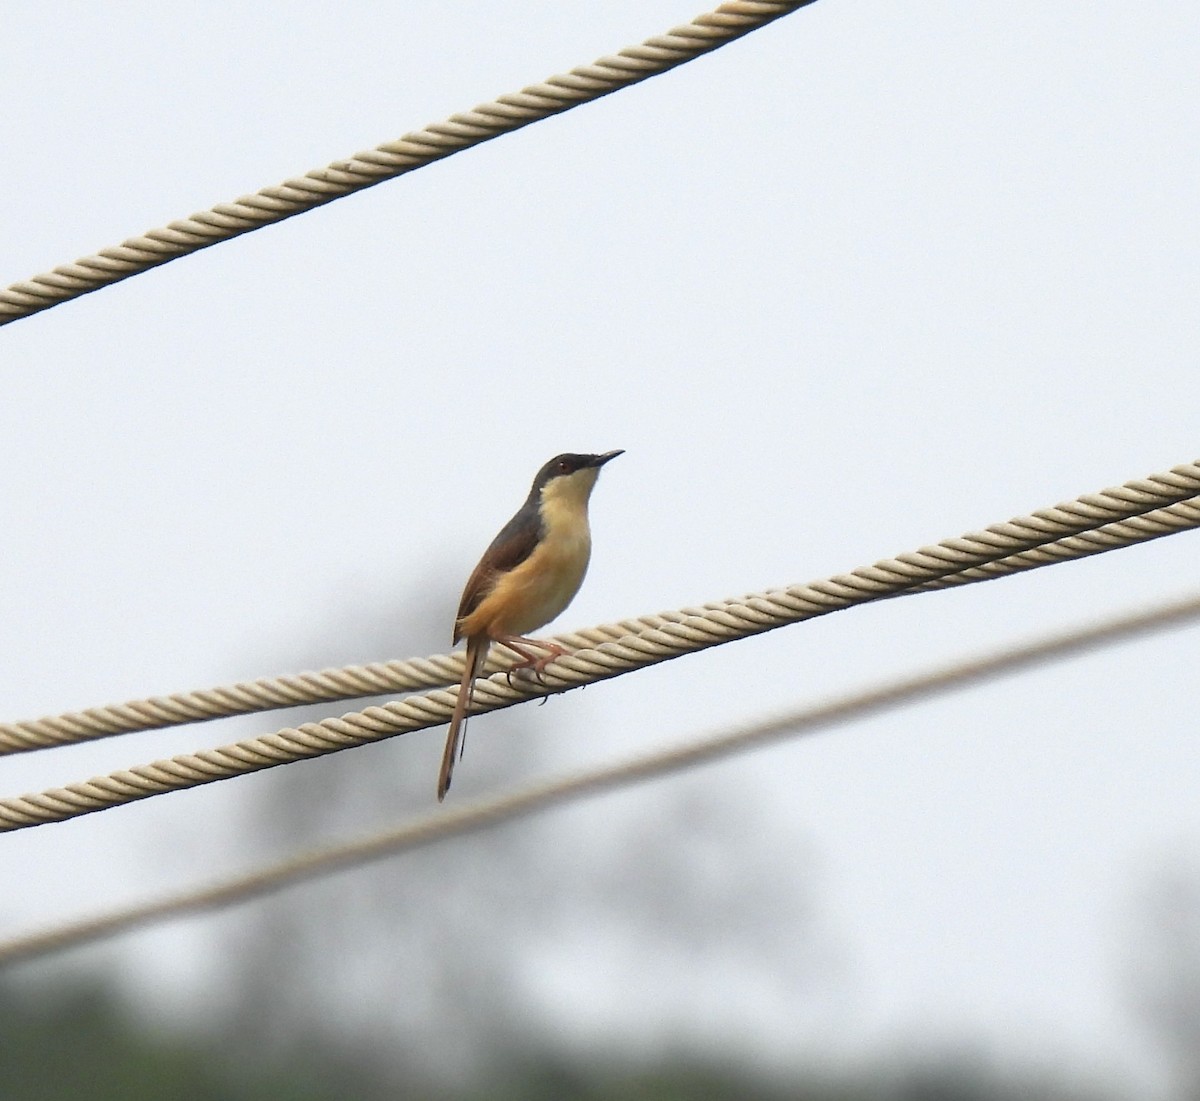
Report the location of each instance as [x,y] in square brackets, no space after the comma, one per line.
[602,459]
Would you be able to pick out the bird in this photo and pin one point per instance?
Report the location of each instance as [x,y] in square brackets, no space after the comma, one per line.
[527,577]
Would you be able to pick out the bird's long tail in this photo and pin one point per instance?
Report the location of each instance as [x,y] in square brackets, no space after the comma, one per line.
[477,648]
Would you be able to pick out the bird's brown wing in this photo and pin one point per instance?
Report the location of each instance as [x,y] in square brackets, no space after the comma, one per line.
[515,543]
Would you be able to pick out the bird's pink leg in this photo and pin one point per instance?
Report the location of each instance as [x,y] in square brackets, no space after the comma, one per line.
[518,645]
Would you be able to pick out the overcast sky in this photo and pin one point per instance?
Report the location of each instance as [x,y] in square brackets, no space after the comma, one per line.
[876,275]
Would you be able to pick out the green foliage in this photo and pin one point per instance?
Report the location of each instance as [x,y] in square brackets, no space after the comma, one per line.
[77,1043]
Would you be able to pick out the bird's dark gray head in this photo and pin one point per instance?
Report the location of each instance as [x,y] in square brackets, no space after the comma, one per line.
[563,466]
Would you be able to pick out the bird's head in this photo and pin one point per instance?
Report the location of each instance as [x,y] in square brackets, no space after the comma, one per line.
[570,477]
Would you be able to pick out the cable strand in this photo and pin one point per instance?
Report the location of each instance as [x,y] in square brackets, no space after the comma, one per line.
[1166,516]
[435,142]
[647,641]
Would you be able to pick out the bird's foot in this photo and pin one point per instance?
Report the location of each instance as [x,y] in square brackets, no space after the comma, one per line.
[532,665]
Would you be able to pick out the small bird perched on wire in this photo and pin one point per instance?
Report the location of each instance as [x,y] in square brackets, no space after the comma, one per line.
[527,577]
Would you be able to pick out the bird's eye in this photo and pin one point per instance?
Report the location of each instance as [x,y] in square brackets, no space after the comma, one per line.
[564,466]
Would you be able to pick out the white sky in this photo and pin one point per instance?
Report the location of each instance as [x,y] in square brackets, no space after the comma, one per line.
[876,275]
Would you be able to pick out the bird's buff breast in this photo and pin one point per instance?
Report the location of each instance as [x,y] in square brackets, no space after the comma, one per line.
[542,586]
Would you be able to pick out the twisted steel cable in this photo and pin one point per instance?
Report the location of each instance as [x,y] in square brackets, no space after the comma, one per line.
[435,142]
[1119,509]
[619,648]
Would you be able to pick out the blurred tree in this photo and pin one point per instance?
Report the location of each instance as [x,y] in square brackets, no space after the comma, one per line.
[448,959]
[64,1043]
[75,1042]
[556,933]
